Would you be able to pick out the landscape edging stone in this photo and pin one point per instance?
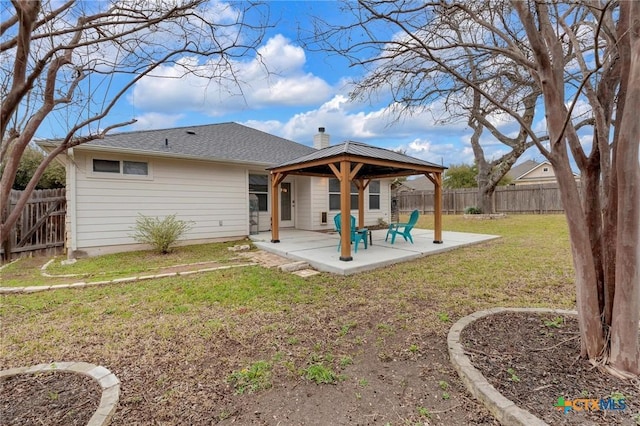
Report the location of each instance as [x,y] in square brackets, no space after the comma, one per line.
[107,381]
[502,408]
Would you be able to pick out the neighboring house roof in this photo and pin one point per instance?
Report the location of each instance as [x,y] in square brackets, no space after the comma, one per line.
[229,142]
[521,169]
[359,149]
[418,184]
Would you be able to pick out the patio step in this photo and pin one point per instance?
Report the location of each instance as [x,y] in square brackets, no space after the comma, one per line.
[295,266]
[304,273]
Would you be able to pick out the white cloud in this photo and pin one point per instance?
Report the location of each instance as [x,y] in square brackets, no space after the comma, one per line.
[270,126]
[344,122]
[436,143]
[154,120]
[275,77]
[420,146]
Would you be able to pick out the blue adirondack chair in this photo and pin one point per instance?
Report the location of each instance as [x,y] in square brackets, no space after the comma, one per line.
[357,235]
[403,229]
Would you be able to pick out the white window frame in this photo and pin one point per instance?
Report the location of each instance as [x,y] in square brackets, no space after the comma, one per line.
[354,195]
[266,193]
[375,194]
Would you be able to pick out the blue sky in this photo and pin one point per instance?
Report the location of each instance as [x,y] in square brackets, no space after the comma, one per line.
[307,90]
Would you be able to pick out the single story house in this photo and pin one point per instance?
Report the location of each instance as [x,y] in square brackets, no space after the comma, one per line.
[531,172]
[204,174]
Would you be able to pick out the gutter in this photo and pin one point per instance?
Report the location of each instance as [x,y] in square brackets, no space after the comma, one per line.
[171,155]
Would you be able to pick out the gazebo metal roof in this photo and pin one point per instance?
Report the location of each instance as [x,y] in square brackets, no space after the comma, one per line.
[358,163]
[377,162]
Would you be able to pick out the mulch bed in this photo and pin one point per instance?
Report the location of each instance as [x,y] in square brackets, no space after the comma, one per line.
[54,398]
[532,359]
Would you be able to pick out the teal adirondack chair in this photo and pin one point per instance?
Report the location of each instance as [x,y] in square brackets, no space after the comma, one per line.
[357,235]
[403,229]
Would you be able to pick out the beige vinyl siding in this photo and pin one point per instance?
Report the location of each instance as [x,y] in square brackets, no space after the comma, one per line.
[303,197]
[543,173]
[205,193]
[385,202]
[320,203]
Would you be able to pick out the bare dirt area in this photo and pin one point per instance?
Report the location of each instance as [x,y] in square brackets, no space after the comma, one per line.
[373,390]
[377,391]
[532,360]
[48,398]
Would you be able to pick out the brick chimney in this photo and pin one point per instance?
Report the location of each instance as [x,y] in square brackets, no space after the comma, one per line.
[321,139]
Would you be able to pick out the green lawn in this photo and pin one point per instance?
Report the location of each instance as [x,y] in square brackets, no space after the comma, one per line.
[227,321]
[27,272]
[529,266]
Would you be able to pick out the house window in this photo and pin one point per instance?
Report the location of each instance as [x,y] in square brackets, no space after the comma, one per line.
[259,185]
[106,166]
[374,195]
[135,168]
[334,195]
[545,169]
[138,168]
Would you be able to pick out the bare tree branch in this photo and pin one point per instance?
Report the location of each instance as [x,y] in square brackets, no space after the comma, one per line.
[59,48]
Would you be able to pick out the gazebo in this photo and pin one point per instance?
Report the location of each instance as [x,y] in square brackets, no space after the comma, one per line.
[358,163]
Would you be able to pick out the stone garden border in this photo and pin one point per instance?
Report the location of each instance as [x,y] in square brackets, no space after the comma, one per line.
[502,408]
[106,379]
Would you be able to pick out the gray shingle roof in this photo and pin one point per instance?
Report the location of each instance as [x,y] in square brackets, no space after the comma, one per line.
[521,169]
[359,149]
[224,142]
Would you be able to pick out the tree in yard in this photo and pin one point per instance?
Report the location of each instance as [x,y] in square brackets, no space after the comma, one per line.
[421,55]
[72,61]
[460,176]
[465,176]
[53,176]
[583,60]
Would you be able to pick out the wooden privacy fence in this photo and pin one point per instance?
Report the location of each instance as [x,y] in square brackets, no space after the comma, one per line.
[41,226]
[507,199]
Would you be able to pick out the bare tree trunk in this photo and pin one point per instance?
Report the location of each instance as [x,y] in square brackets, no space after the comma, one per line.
[549,55]
[625,350]
[590,189]
[485,190]
[591,332]
[485,197]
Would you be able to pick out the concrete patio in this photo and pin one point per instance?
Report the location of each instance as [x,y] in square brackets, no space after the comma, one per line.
[320,249]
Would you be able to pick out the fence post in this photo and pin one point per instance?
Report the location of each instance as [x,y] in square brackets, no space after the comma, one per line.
[541,198]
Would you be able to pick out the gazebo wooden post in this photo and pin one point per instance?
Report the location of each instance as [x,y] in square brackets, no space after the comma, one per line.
[276,179]
[345,211]
[437,204]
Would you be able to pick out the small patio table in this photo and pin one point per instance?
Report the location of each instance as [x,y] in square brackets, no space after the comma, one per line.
[366,231]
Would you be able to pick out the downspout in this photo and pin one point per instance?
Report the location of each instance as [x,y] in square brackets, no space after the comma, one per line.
[71,217]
